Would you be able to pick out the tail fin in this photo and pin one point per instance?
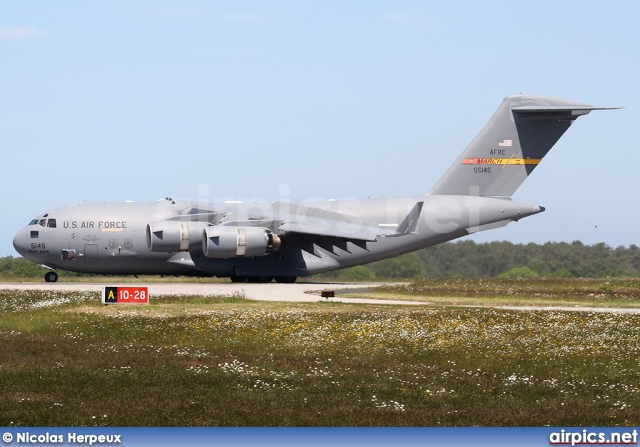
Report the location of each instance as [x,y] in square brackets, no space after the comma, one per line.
[510,146]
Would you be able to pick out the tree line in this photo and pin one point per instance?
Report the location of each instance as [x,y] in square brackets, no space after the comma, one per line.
[462,259]
[504,259]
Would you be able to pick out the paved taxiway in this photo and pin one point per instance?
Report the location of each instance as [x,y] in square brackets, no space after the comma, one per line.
[298,292]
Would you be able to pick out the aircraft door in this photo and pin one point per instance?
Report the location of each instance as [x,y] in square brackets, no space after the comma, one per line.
[91,254]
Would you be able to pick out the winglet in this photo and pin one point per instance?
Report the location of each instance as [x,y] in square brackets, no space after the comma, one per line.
[410,223]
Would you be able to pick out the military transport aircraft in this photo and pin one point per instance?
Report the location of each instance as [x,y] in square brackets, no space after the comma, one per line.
[259,242]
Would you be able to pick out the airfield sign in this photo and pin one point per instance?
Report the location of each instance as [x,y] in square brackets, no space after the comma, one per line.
[125,295]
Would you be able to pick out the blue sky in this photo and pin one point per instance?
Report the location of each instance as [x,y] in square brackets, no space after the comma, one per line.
[138,100]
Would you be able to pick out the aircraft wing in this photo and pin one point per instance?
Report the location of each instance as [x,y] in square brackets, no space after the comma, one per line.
[288,219]
[336,229]
[314,222]
[345,232]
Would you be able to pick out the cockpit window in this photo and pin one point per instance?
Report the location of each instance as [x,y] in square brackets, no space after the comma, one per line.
[50,223]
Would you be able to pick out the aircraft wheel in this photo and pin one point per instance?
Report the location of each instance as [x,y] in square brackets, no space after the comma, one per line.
[286,279]
[260,279]
[51,276]
[238,278]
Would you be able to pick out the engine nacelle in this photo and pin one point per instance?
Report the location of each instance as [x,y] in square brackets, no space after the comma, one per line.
[232,242]
[168,236]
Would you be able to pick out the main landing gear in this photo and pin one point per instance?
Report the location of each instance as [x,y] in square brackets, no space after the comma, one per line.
[264,279]
[51,276]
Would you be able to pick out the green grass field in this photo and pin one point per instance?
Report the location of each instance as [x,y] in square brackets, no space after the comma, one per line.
[226,361]
[580,292]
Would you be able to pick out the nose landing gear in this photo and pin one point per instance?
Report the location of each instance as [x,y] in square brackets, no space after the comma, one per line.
[51,276]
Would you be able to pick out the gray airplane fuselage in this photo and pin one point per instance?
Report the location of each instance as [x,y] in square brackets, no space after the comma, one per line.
[111,238]
[282,240]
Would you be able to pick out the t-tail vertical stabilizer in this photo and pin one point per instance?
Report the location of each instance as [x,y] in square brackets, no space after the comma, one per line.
[510,146]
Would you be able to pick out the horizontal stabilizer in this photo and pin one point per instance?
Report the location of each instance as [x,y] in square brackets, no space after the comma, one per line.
[575,110]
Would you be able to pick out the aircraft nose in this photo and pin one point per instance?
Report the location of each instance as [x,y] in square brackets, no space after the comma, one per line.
[21,242]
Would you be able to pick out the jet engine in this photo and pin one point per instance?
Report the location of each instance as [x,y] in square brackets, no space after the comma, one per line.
[169,236]
[231,242]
